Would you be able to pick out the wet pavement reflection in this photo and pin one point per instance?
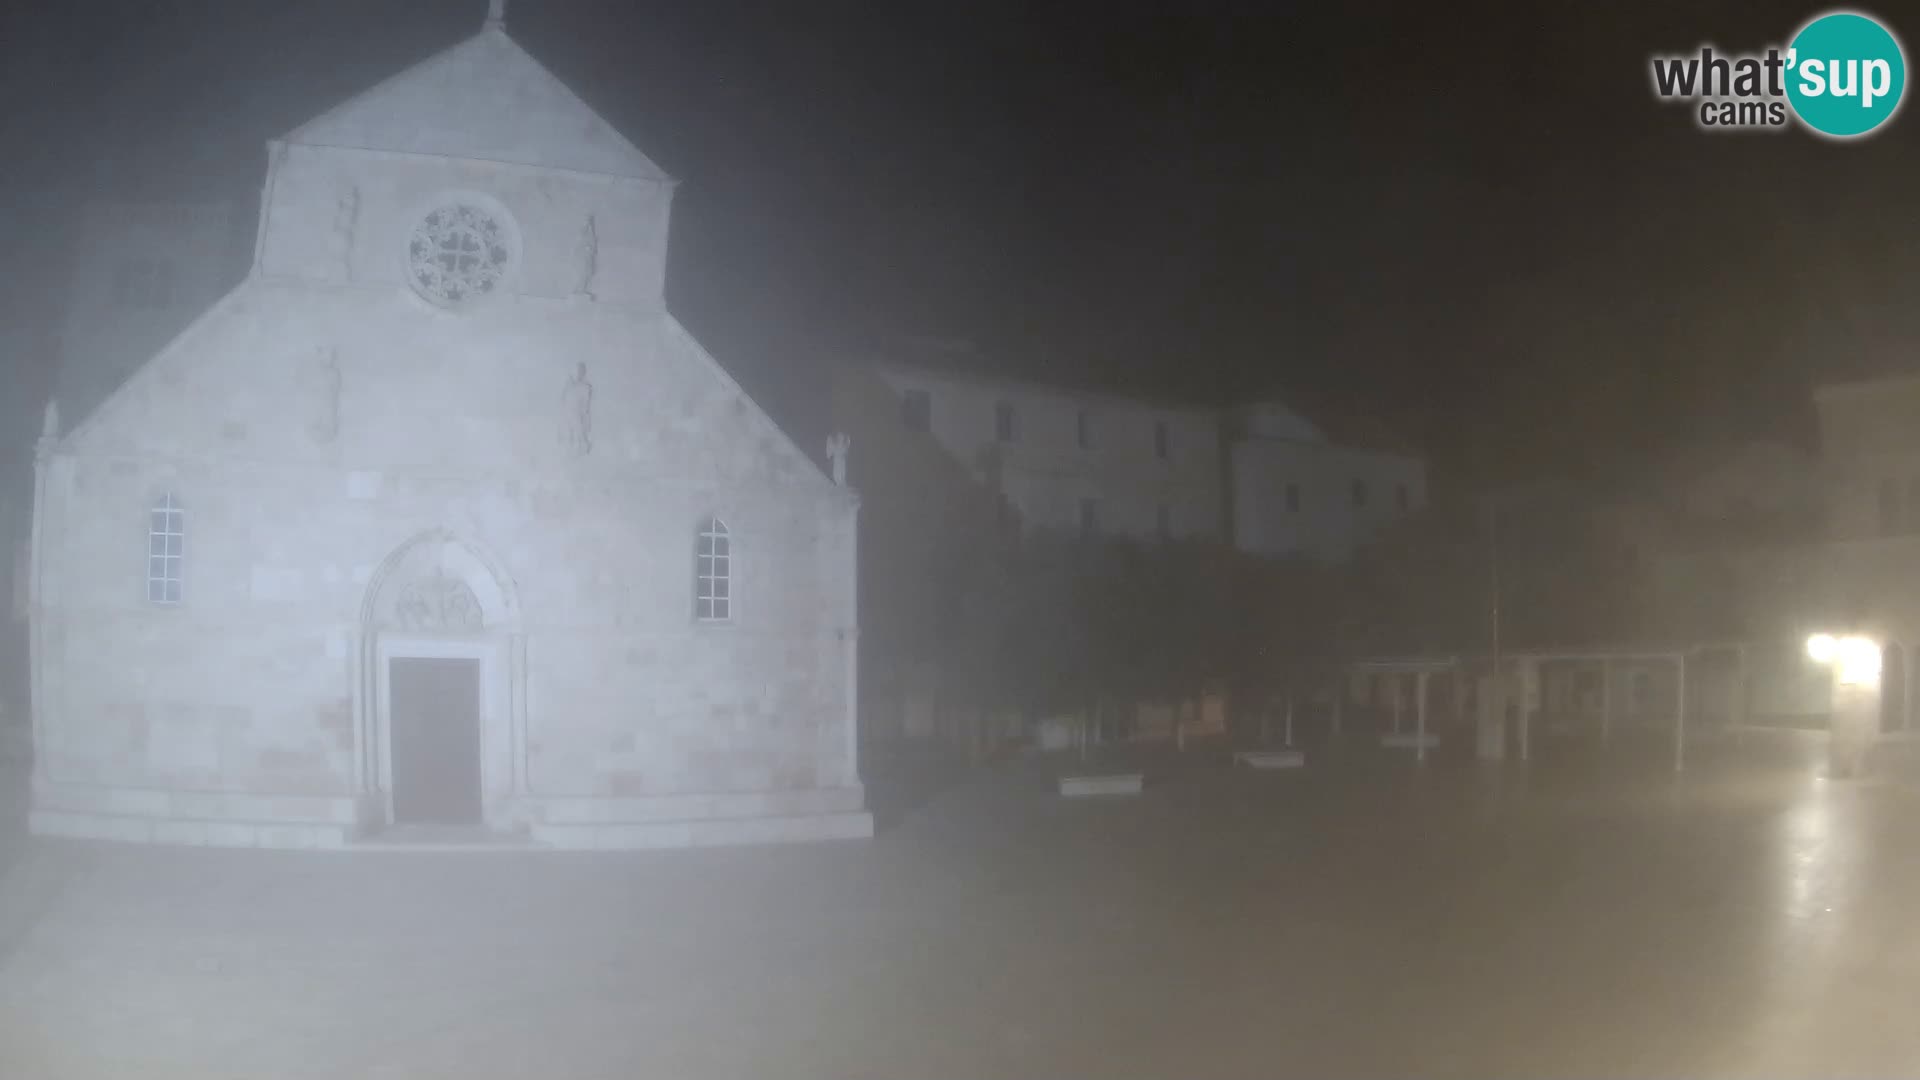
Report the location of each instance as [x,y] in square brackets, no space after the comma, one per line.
[1587,913]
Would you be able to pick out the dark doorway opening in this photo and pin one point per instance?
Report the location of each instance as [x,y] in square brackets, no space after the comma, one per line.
[434,714]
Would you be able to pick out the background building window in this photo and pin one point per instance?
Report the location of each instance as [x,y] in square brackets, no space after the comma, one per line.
[1163,521]
[713,569]
[1004,427]
[1400,496]
[1293,498]
[916,410]
[1084,429]
[1889,507]
[166,550]
[1359,493]
[1089,516]
[1162,440]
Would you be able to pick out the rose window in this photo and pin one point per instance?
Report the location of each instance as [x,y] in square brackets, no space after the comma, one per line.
[457,255]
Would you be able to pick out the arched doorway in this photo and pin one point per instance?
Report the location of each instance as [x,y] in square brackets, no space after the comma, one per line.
[1893,687]
[440,711]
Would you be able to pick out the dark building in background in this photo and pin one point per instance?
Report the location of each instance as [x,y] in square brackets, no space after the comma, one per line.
[139,273]
[1280,476]
[30,323]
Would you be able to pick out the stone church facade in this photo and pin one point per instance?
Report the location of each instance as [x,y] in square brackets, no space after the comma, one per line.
[440,519]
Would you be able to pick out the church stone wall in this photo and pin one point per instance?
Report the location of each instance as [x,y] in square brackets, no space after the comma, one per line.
[449,375]
[296,490]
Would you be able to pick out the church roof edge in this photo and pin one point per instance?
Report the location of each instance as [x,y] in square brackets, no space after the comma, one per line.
[484,98]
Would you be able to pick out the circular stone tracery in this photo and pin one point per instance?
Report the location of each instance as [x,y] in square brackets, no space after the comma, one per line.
[457,255]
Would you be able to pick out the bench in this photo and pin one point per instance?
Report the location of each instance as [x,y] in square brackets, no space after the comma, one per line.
[1076,787]
[1409,740]
[1270,759]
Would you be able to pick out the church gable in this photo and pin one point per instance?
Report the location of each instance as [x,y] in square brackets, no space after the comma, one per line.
[278,373]
[485,99]
[346,218]
[441,305]
[145,414]
[477,154]
[779,458]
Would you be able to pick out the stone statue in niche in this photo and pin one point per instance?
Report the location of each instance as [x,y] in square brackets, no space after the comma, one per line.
[438,604]
[576,420]
[588,254]
[322,378]
[346,214]
[837,446]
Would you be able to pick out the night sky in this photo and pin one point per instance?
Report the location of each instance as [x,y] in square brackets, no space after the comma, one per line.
[1473,220]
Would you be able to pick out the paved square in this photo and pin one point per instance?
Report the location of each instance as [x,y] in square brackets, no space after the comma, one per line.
[1362,917]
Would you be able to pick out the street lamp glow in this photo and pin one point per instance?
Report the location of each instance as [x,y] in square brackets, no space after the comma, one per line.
[1859,661]
[1821,648]
[1855,659]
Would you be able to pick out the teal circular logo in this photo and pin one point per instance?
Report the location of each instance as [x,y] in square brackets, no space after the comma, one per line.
[1845,75]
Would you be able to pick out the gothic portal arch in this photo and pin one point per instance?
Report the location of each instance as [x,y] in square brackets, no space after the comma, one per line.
[442,676]
[435,567]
